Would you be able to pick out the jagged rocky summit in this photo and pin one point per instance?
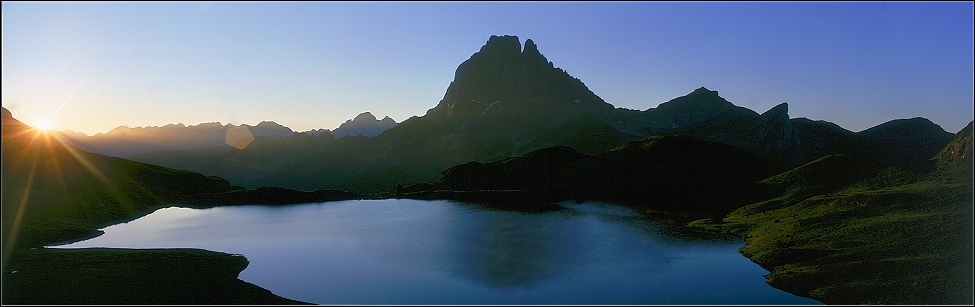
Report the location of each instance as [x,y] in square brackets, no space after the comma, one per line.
[364,124]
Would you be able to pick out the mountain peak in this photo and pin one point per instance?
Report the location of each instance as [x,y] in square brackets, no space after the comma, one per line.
[364,124]
[502,44]
[503,72]
[917,127]
[779,111]
[532,55]
[699,99]
[530,46]
[367,116]
[703,90]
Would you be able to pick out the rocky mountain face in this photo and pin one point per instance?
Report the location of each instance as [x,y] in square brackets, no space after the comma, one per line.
[364,124]
[506,92]
[958,153]
[504,78]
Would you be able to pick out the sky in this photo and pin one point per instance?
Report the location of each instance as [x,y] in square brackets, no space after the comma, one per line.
[93,66]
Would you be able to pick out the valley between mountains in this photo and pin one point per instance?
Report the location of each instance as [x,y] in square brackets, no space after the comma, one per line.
[880,216]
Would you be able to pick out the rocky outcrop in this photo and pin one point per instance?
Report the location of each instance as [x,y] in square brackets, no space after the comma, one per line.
[958,152]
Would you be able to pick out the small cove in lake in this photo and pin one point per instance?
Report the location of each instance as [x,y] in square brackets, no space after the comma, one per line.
[400,251]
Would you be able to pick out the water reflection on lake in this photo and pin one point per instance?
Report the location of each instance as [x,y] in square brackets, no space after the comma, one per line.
[442,252]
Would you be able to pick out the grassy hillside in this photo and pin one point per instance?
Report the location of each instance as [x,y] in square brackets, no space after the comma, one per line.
[847,232]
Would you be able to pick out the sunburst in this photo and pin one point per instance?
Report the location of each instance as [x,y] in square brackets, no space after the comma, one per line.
[44,125]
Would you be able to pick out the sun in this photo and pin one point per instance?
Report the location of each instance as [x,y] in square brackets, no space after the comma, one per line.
[45,124]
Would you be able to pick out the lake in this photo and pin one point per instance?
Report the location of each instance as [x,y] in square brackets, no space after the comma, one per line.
[399,251]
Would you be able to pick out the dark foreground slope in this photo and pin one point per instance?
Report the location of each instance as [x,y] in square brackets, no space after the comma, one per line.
[109,276]
[841,231]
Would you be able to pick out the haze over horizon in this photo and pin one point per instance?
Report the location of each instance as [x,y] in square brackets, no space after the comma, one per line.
[91,67]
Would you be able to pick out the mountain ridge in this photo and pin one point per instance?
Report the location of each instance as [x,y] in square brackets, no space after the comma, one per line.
[364,124]
[507,100]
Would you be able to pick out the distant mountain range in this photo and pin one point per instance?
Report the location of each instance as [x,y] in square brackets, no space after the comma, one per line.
[508,100]
[124,141]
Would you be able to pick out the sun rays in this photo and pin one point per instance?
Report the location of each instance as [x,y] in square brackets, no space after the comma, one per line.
[39,161]
[45,125]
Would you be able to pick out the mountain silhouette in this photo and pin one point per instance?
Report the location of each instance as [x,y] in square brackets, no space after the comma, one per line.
[504,101]
[507,100]
[124,142]
[364,124]
[504,78]
[911,139]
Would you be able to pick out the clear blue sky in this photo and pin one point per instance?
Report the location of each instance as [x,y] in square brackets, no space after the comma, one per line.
[91,67]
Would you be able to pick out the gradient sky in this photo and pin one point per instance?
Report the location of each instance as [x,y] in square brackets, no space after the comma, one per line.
[91,67]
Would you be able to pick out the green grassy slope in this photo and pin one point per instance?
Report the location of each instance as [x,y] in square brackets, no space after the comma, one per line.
[845,232]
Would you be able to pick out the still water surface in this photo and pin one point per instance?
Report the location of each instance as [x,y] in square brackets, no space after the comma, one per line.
[399,251]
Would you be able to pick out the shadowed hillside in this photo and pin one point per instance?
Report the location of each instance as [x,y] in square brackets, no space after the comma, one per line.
[664,173]
[843,230]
